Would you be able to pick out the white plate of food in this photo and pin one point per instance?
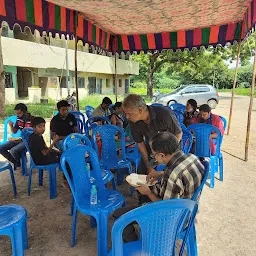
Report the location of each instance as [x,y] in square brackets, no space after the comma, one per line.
[137,180]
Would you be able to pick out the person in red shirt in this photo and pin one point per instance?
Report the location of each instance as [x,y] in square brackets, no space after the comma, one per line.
[12,149]
[205,116]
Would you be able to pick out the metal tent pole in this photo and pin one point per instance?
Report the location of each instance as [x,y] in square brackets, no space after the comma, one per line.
[2,79]
[76,77]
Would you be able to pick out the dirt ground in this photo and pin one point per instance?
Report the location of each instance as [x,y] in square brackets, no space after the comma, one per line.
[226,221]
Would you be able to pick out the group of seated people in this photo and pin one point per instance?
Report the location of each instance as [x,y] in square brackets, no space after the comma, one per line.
[153,128]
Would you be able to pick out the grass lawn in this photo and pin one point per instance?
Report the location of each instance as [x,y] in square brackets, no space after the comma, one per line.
[47,110]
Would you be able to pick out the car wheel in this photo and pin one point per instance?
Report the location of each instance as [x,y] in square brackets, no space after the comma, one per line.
[171,102]
[212,103]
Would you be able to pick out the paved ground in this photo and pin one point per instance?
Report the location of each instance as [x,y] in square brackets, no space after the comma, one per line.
[226,222]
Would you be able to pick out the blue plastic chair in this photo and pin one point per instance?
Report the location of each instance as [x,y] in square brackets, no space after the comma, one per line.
[134,156]
[178,106]
[79,116]
[160,225]
[91,125]
[51,168]
[221,156]
[13,223]
[179,115]
[187,139]
[7,166]
[80,185]
[224,120]
[88,111]
[157,104]
[109,159]
[202,134]
[75,139]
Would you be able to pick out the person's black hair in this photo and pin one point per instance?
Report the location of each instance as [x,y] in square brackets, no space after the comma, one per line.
[117,105]
[193,103]
[205,108]
[164,142]
[62,103]
[21,106]
[107,101]
[37,120]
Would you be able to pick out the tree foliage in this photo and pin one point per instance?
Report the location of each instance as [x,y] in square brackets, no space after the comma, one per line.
[169,69]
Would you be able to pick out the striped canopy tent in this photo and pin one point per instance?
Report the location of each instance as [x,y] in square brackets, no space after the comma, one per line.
[134,25]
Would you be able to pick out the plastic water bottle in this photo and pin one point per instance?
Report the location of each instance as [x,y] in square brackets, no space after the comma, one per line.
[93,195]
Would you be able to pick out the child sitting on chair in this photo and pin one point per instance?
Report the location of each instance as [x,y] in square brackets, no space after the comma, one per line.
[41,154]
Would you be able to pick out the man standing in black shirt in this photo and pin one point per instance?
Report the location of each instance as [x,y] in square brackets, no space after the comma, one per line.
[63,124]
[146,122]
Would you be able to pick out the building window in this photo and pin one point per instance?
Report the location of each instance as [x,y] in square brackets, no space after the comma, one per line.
[81,82]
[8,80]
[120,82]
[107,83]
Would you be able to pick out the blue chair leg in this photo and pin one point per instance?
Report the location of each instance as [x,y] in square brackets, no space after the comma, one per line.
[29,181]
[24,164]
[212,172]
[18,239]
[102,234]
[191,242]
[52,182]
[119,180]
[74,227]
[25,234]
[221,168]
[113,183]
[40,177]
[72,206]
[13,182]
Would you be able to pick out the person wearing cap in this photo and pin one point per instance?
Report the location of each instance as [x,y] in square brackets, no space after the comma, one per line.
[12,149]
[103,108]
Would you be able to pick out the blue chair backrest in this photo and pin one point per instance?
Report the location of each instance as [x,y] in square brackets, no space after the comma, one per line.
[160,224]
[77,158]
[91,120]
[224,120]
[109,146]
[187,139]
[25,134]
[197,194]
[178,106]
[75,139]
[179,115]
[6,129]
[157,104]
[88,111]
[202,133]
[79,116]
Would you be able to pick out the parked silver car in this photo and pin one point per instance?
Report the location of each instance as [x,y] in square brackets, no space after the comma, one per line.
[201,93]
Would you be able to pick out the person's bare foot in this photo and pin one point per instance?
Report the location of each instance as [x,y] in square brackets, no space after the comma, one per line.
[65,185]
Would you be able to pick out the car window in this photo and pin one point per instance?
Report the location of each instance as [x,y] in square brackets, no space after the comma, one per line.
[189,90]
[202,89]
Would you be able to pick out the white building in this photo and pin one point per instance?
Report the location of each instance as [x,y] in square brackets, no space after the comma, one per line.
[36,68]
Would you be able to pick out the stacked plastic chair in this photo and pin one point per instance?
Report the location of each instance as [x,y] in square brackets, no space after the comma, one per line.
[109,158]
[91,123]
[13,223]
[202,134]
[160,225]
[80,185]
[179,115]
[51,168]
[80,120]
[88,111]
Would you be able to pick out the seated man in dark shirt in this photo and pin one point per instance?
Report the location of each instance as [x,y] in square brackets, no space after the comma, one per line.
[41,154]
[63,124]
[181,177]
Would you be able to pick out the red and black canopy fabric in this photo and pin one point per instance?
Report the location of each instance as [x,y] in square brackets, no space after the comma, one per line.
[133,25]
